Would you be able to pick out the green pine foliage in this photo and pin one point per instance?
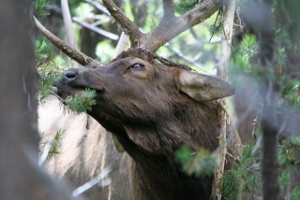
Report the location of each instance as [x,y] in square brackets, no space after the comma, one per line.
[289,92]
[55,144]
[200,163]
[245,177]
[40,8]
[289,153]
[284,178]
[183,6]
[49,73]
[244,62]
[233,184]
[294,195]
[244,56]
[81,103]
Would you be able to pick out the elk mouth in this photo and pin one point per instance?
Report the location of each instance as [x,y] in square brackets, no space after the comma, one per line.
[71,83]
[64,90]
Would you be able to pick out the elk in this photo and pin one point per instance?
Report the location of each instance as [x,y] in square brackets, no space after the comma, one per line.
[151,107]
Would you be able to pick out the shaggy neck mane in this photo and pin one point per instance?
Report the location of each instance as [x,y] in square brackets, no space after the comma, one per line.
[152,147]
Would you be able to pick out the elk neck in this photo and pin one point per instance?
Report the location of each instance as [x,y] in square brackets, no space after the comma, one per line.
[152,147]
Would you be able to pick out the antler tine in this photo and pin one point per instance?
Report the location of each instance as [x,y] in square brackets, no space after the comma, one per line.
[168,6]
[197,15]
[76,55]
[130,28]
[170,26]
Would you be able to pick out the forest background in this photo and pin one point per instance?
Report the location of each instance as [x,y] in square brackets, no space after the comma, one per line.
[263,67]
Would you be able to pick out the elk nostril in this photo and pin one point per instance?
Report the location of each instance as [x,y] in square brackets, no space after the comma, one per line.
[70,74]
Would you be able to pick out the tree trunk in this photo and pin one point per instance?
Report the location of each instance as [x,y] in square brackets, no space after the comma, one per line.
[271,189]
[21,177]
[225,53]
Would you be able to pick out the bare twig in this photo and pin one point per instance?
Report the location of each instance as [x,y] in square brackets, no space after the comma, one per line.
[45,153]
[129,27]
[76,55]
[68,23]
[180,55]
[69,28]
[96,29]
[93,182]
[98,6]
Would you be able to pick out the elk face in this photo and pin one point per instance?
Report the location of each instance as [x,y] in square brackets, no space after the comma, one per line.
[133,86]
[125,89]
[135,94]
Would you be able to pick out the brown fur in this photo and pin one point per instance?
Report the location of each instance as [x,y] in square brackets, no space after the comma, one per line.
[152,118]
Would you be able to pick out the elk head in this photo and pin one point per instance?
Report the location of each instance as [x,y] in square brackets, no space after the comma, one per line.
[135,93]
[136,89]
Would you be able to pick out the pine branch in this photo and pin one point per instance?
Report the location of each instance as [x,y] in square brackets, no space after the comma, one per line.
[81,103]
[200,163]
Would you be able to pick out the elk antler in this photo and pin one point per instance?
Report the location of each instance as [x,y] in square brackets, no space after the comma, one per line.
[169,27]
[76,55]
[129,27]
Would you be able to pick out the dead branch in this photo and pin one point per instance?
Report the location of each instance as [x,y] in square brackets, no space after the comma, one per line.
[98,6]
[76,55]
[222,73]
[69,28]
[192,62]
[96,29]
[93,182]
[68,23]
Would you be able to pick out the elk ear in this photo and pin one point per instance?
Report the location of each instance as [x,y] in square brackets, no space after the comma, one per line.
[202,87]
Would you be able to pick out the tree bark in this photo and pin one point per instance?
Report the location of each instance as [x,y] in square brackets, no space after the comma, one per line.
[21,177]
[271,189]
[225,53]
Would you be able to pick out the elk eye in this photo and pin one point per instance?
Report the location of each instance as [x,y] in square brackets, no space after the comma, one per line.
[136,66]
